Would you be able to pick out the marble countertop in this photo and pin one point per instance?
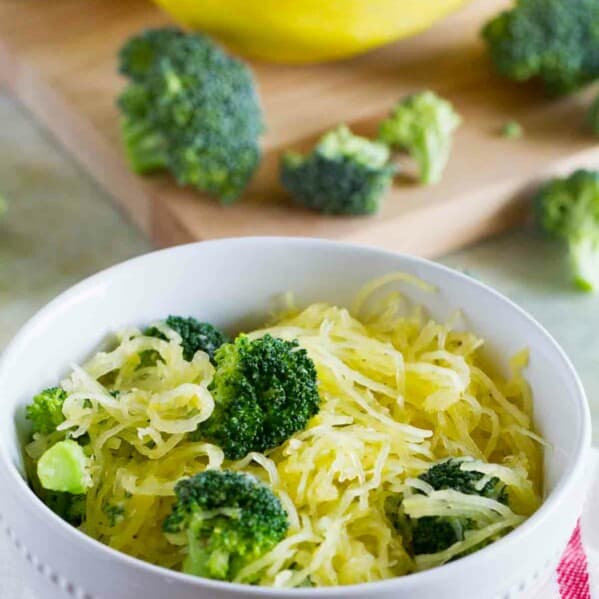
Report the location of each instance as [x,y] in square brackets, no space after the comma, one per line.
[60,227]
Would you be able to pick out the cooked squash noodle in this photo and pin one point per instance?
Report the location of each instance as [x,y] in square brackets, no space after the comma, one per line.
[399,392]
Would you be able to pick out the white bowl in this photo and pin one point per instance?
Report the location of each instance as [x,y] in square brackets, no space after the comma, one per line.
[232,283]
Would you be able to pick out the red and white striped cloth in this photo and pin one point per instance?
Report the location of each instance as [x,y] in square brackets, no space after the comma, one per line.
[577,576]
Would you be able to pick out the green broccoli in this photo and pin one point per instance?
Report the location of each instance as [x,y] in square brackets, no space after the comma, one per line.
[449,475]
[344,174]
[423,125]
[146,148]
[139,55]
[64,467]
[554,40]
[115,513]
[69,507]
[190,109]
[229,519]
[264,391]
[56,471]
[195,335]
[568,209]
[512,130]
[432,534]
[45,411]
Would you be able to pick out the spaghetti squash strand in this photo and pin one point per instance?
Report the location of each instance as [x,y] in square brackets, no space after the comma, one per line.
[399,391]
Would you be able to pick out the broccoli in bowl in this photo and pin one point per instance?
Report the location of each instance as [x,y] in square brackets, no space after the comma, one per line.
[330,447]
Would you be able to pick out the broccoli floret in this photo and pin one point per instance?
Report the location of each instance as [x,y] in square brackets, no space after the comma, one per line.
[45,411]
[423,125]
[264,391]
[70,507]
[66,505]
[568,209]
[344,174]
[62,479]
[64,467]
[229,519]
[195,335]
[512,130]
[554,40]
[432,534]
[190,109]
[449,475]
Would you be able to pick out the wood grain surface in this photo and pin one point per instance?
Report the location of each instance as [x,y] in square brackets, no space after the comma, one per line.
[58,57]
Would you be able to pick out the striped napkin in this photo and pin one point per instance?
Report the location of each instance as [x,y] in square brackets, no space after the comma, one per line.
[577,576]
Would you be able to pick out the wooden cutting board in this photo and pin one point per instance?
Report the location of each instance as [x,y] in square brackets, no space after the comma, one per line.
[58,57]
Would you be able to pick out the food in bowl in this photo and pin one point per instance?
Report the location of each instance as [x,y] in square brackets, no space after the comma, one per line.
[330,447]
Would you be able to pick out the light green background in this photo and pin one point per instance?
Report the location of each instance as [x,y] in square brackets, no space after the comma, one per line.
[60,227]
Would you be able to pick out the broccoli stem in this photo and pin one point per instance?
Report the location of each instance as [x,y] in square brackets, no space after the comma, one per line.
[431,158]
[584,254]
[64,467]
[146,149]
[204,561]
[226,519]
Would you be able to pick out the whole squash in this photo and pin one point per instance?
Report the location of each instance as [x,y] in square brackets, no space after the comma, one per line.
[307,31]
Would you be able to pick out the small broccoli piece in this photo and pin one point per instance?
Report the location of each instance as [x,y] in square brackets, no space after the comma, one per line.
[229,519]
[512,130]
[553,40]
[66,505]
[423,125]
[64,467]
[70,507]
[45,411]
[264,391]
[449,475]
[568,209]
[114,512]
[429,534]
[344,174]
[190,109]
[432,534]
[195,335]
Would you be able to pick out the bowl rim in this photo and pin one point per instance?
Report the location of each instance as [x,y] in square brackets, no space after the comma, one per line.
[550,504]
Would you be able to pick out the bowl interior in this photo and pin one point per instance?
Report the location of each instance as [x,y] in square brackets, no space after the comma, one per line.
[233,283]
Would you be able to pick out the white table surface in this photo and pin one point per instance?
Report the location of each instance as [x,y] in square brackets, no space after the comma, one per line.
[60,227]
